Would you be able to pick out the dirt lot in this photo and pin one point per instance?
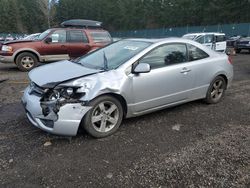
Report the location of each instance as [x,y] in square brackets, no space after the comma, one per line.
[192,145]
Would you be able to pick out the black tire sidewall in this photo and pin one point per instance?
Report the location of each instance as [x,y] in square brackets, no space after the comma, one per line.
[86,123]
[208,98]
[20,56]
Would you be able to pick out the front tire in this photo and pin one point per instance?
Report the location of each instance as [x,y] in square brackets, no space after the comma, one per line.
[26,61]
[104,118]
[216,90]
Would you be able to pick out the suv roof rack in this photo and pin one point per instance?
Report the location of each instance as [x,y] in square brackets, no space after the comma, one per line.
[81,23]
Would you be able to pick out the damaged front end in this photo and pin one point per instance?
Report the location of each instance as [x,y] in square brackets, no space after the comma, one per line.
[56,110]
[53,99]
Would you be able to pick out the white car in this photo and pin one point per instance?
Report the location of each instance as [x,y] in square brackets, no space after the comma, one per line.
[215,41]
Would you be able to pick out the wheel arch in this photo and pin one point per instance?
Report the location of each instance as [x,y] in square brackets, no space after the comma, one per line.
[26,50]
[120,98]
[223,76]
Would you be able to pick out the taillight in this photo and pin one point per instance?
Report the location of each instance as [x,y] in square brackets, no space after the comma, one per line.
[230,60]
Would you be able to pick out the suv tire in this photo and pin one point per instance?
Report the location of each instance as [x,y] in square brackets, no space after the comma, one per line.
[26,61]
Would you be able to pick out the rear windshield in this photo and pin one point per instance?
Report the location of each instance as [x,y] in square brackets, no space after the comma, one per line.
[220,38]
[101,36]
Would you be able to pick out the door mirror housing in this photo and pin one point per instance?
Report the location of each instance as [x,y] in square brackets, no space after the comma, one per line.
[142,68]
[48,40]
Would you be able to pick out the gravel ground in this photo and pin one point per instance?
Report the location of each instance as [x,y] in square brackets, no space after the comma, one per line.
[192,145]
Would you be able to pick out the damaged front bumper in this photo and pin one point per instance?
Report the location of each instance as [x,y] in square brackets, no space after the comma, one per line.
[64,122]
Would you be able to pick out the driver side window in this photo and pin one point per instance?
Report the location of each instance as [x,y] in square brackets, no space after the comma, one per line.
[58,36]
[168,54]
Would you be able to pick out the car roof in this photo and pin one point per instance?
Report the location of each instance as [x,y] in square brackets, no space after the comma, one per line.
[75,28]
[158,40]
[205,33]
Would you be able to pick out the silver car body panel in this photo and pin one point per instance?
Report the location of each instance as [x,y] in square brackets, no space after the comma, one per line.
[143,93]
[52,74]
[68,119]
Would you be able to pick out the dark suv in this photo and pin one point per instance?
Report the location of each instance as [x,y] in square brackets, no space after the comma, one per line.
[74,39]
[242,44]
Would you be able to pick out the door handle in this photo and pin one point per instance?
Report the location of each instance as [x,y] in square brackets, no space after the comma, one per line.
[63,46]
[185,70]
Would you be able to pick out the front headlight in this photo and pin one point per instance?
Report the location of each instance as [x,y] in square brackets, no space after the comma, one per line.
[63,93]
[69,91]
[55,95]
[6,48]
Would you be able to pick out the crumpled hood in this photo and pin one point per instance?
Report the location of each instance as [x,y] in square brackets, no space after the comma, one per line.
[48,76]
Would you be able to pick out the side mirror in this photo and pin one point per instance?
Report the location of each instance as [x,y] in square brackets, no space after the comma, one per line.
[142,68]
[48,40]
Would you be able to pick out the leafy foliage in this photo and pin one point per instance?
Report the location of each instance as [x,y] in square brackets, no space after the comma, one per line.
[37,15]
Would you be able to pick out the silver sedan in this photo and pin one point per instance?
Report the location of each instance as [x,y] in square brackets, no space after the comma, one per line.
[124,79]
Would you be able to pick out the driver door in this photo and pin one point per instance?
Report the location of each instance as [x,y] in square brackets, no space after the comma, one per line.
[169,81]
[57,49]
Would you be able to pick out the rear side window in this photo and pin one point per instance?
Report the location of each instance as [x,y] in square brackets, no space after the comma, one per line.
[220,38]
[101,37]
[77,36]
[196,53]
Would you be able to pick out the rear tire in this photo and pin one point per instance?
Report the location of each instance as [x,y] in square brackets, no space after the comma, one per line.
[104,118]
[26,61]
[216,90]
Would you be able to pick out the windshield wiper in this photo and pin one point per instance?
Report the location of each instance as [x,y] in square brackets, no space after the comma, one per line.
[105,62]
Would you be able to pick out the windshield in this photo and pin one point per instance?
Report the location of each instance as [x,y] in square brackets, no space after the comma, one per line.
[43,35]
[114,55]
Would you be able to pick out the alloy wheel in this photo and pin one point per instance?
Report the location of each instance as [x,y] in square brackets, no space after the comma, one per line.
[217,90]
[27,62]
[105,116]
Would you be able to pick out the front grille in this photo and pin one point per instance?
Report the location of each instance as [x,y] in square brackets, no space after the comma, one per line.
[45,110]
[48,123]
